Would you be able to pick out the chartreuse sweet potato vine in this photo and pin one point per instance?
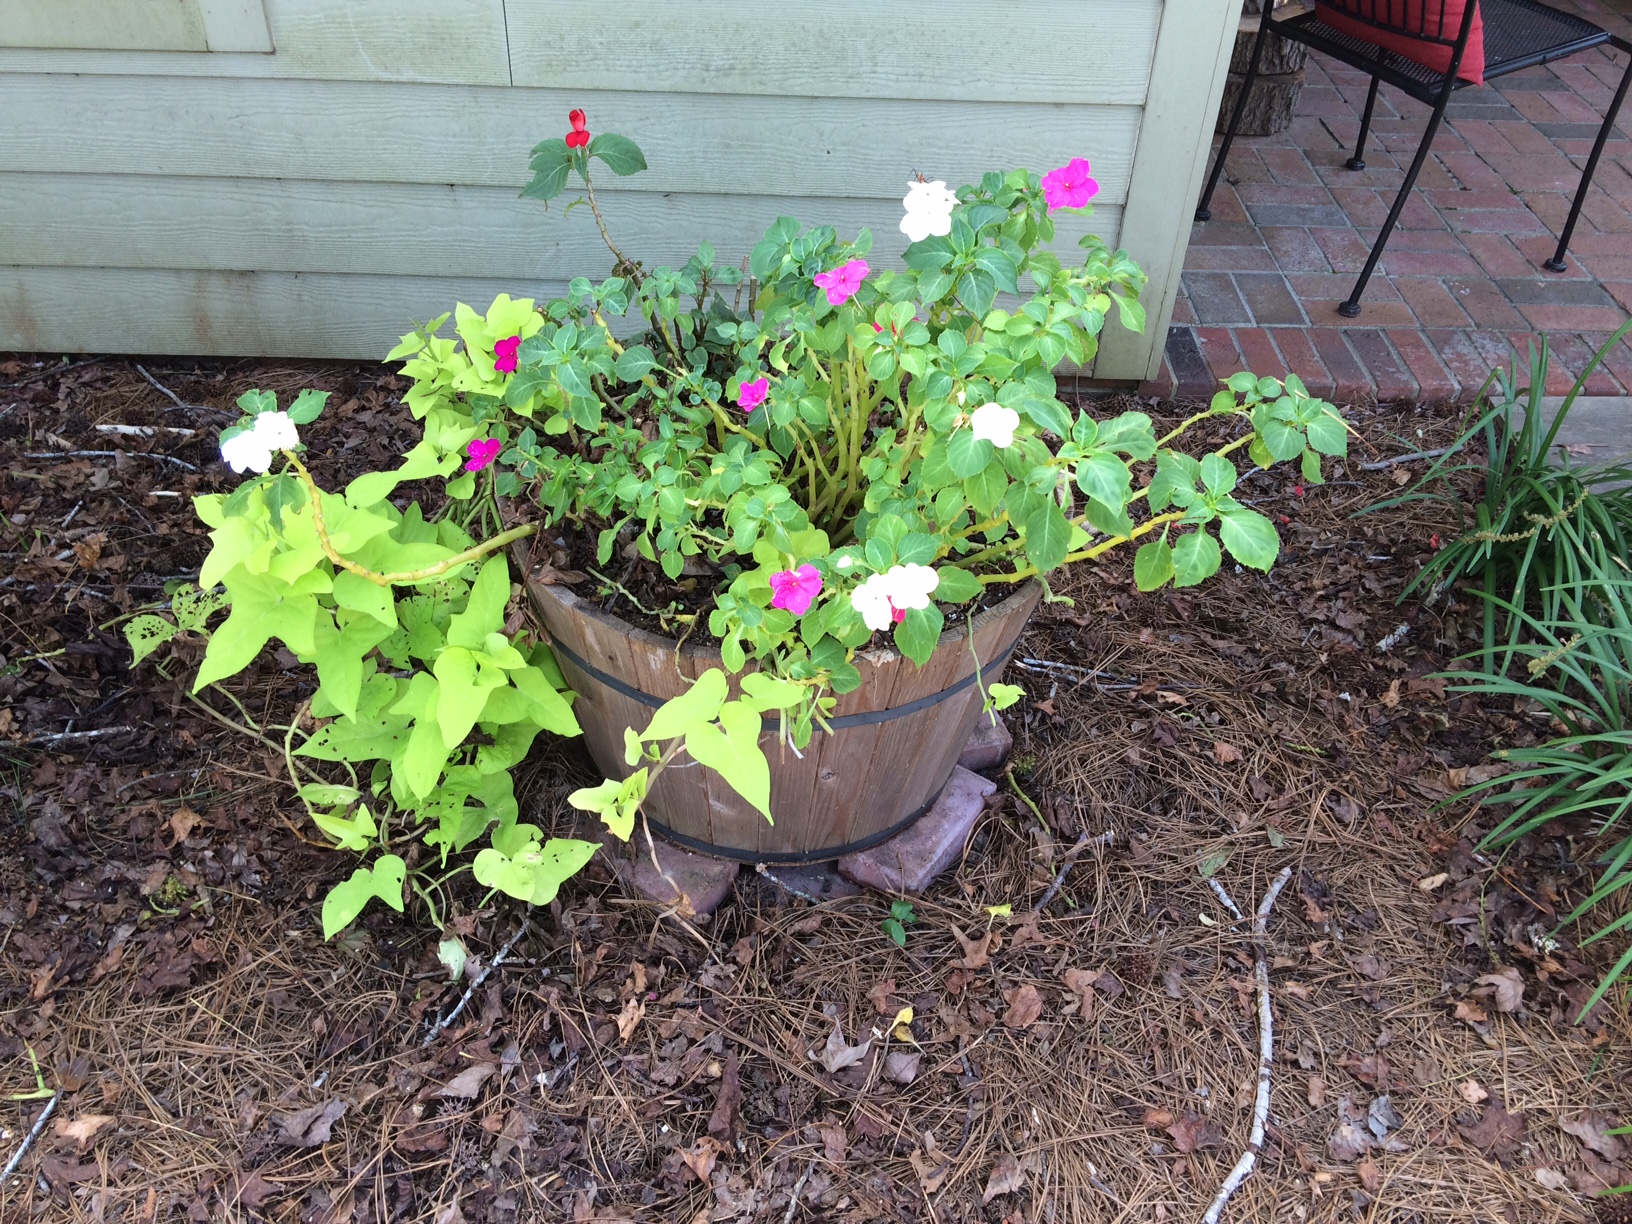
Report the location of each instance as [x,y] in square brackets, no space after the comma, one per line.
[840,451]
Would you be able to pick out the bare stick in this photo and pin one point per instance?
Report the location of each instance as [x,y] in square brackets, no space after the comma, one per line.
[178,401]
[64,737]
[1266,1040]
[102,454]
[785,886]
[480,978]
[28,1141]
[798,1189]
[1388,463]
[1081,844]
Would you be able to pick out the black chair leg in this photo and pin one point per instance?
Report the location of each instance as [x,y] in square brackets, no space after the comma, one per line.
[1351,308]
[1203,211]
[1556,263]
[1358,161]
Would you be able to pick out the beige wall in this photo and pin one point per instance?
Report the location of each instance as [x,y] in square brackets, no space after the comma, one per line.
[359,171]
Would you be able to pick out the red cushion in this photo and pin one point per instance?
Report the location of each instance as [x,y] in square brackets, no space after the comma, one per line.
[1430,55]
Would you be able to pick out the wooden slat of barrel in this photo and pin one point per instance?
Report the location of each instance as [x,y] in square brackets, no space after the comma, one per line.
[850,785]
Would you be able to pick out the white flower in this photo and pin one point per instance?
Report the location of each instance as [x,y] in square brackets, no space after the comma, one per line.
[277,430]
[844,563]
[872,600]
[910,585]
[252,449]
[995,423]
[885,599]
[244,452]
[929,210]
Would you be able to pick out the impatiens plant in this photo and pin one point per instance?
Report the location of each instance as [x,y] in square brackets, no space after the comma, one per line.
[834,450]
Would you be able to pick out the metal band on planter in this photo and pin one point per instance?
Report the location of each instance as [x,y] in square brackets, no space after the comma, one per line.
[866,719]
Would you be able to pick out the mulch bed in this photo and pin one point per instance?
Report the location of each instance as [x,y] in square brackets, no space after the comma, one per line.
[162,962]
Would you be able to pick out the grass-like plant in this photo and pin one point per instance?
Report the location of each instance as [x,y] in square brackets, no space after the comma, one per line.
[1547,555]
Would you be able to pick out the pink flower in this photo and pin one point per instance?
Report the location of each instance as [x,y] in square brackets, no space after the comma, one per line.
[842,282]
[482,451]
[1070,186]
[793,590]
[752,394]
[504,355]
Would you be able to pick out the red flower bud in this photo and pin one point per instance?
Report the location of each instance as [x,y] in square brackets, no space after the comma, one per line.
[579,136]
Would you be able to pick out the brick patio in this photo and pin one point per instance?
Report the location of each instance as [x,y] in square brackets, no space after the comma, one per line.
[1460,282]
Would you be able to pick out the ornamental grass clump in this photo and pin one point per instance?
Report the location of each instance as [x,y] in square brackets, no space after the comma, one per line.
[839,453]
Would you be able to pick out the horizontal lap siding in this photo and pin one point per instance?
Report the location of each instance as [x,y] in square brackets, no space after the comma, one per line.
[283,225]
[240,204]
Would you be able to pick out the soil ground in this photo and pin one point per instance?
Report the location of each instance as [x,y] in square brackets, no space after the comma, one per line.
[217,1060]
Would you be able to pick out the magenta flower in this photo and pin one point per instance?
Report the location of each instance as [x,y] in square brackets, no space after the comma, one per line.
[752,394]
[793,590]
[842,282]
[482,451]
[504,355]
[1070,186]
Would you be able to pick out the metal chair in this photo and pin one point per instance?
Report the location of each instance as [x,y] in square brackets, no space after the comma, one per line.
[1517,34]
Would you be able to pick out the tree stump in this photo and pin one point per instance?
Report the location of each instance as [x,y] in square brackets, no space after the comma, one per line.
[1280,79]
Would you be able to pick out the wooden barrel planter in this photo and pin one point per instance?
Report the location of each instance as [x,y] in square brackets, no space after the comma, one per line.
[894,741]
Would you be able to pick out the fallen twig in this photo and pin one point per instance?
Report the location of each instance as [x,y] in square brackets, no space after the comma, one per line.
[40,741]
[28,1140]
[480,978]
[1085,675]
[1081,844]
[177,400]
[1266,1038]
[785,886]
[1380,464]
[47,372]
[102,454]
[798,1189]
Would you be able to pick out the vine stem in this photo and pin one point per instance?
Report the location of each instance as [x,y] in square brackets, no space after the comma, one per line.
[400,577]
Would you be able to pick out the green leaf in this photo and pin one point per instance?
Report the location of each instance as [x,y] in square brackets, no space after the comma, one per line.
[1002,696]
[621,155]
[192,607]
[534,873]
[762,692]
[235,643]
[917,635]
[347,899]
[616,802]
[956,585]
[146,634]
[986,487]
[360,595]
[1196,558]
[697,706]
[634,362]
[1218,474]
[1048,536]
[307,406]
[354,834]
[460,697]
[484,609]
[1105,478]
[732,751]
[977,290]
[1250,537]
[966,454]
[1153,565]
[1327,433]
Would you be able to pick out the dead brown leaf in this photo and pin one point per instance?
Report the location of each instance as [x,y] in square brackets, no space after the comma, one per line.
[83,1130]
[1025,1006]
[1225,754]
[634,1008]
[1371,1177]
[701,1156]
[1497,1133]
[722,1122]
[1591,1129]
[838,1054]
[835,1142]
[1191,1133]
[882,997]
[1467,1009]
[1471,1092]
[313,1126]
[1508,986]
[467,1085]
[1317,1091]
[182,823]
[901,1066]
[1008,1175]
[1368,966]
[1081,983]
[977,953]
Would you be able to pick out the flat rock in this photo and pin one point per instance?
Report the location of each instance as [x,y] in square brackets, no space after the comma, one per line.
[911,859]
[988,745]
[705,881]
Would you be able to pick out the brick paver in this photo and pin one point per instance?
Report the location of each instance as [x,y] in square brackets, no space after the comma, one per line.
[1460,285]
